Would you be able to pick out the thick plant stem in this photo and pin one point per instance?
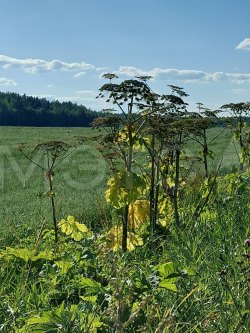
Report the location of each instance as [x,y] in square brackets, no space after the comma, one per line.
[53,206]
[241,141]
[205,152]
[176,185]
[157,182]
[152,190]
[128,169]
[157,191]
[125,229]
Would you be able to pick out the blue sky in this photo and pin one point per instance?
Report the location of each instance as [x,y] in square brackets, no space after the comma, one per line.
[58,49]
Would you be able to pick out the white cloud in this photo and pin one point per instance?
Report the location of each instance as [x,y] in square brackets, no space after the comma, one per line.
[239,77]
[244,45]
[239,91]
[7,82]
[178,74]
[39,65]
[217,76]
[80,74]
[183,75]
[50,86]
[88,96]
[172,74]
[231,77]
[130,71]
[98,69]
[52,98]
[88,93]
[88,100]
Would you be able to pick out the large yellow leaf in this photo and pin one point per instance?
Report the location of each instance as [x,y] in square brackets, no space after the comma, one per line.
[124,188]
[115,239]
[138,213]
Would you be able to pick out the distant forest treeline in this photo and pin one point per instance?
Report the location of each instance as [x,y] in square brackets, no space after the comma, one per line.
[22,110]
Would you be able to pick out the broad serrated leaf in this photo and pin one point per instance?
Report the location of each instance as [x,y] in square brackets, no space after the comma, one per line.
[124,188]
[23,253]
[73,228]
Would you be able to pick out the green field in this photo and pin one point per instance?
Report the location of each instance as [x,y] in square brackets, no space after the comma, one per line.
[80,179]
[188,279]
[222,145]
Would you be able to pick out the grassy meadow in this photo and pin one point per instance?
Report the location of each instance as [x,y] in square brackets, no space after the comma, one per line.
[80,179]
[189,279]
[79,182]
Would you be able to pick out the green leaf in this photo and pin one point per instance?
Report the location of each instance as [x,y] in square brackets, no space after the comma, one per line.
[46,319]
[43,255]
[64,266]
[166,269]
[24,254]
[87,282]
[44,324]
[92,287]
[167,285]
[49,321]
[96,323]
[91,299]
[73,228]
[58,312]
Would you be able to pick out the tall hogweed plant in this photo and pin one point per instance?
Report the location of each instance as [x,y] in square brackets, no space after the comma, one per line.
[144,146]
